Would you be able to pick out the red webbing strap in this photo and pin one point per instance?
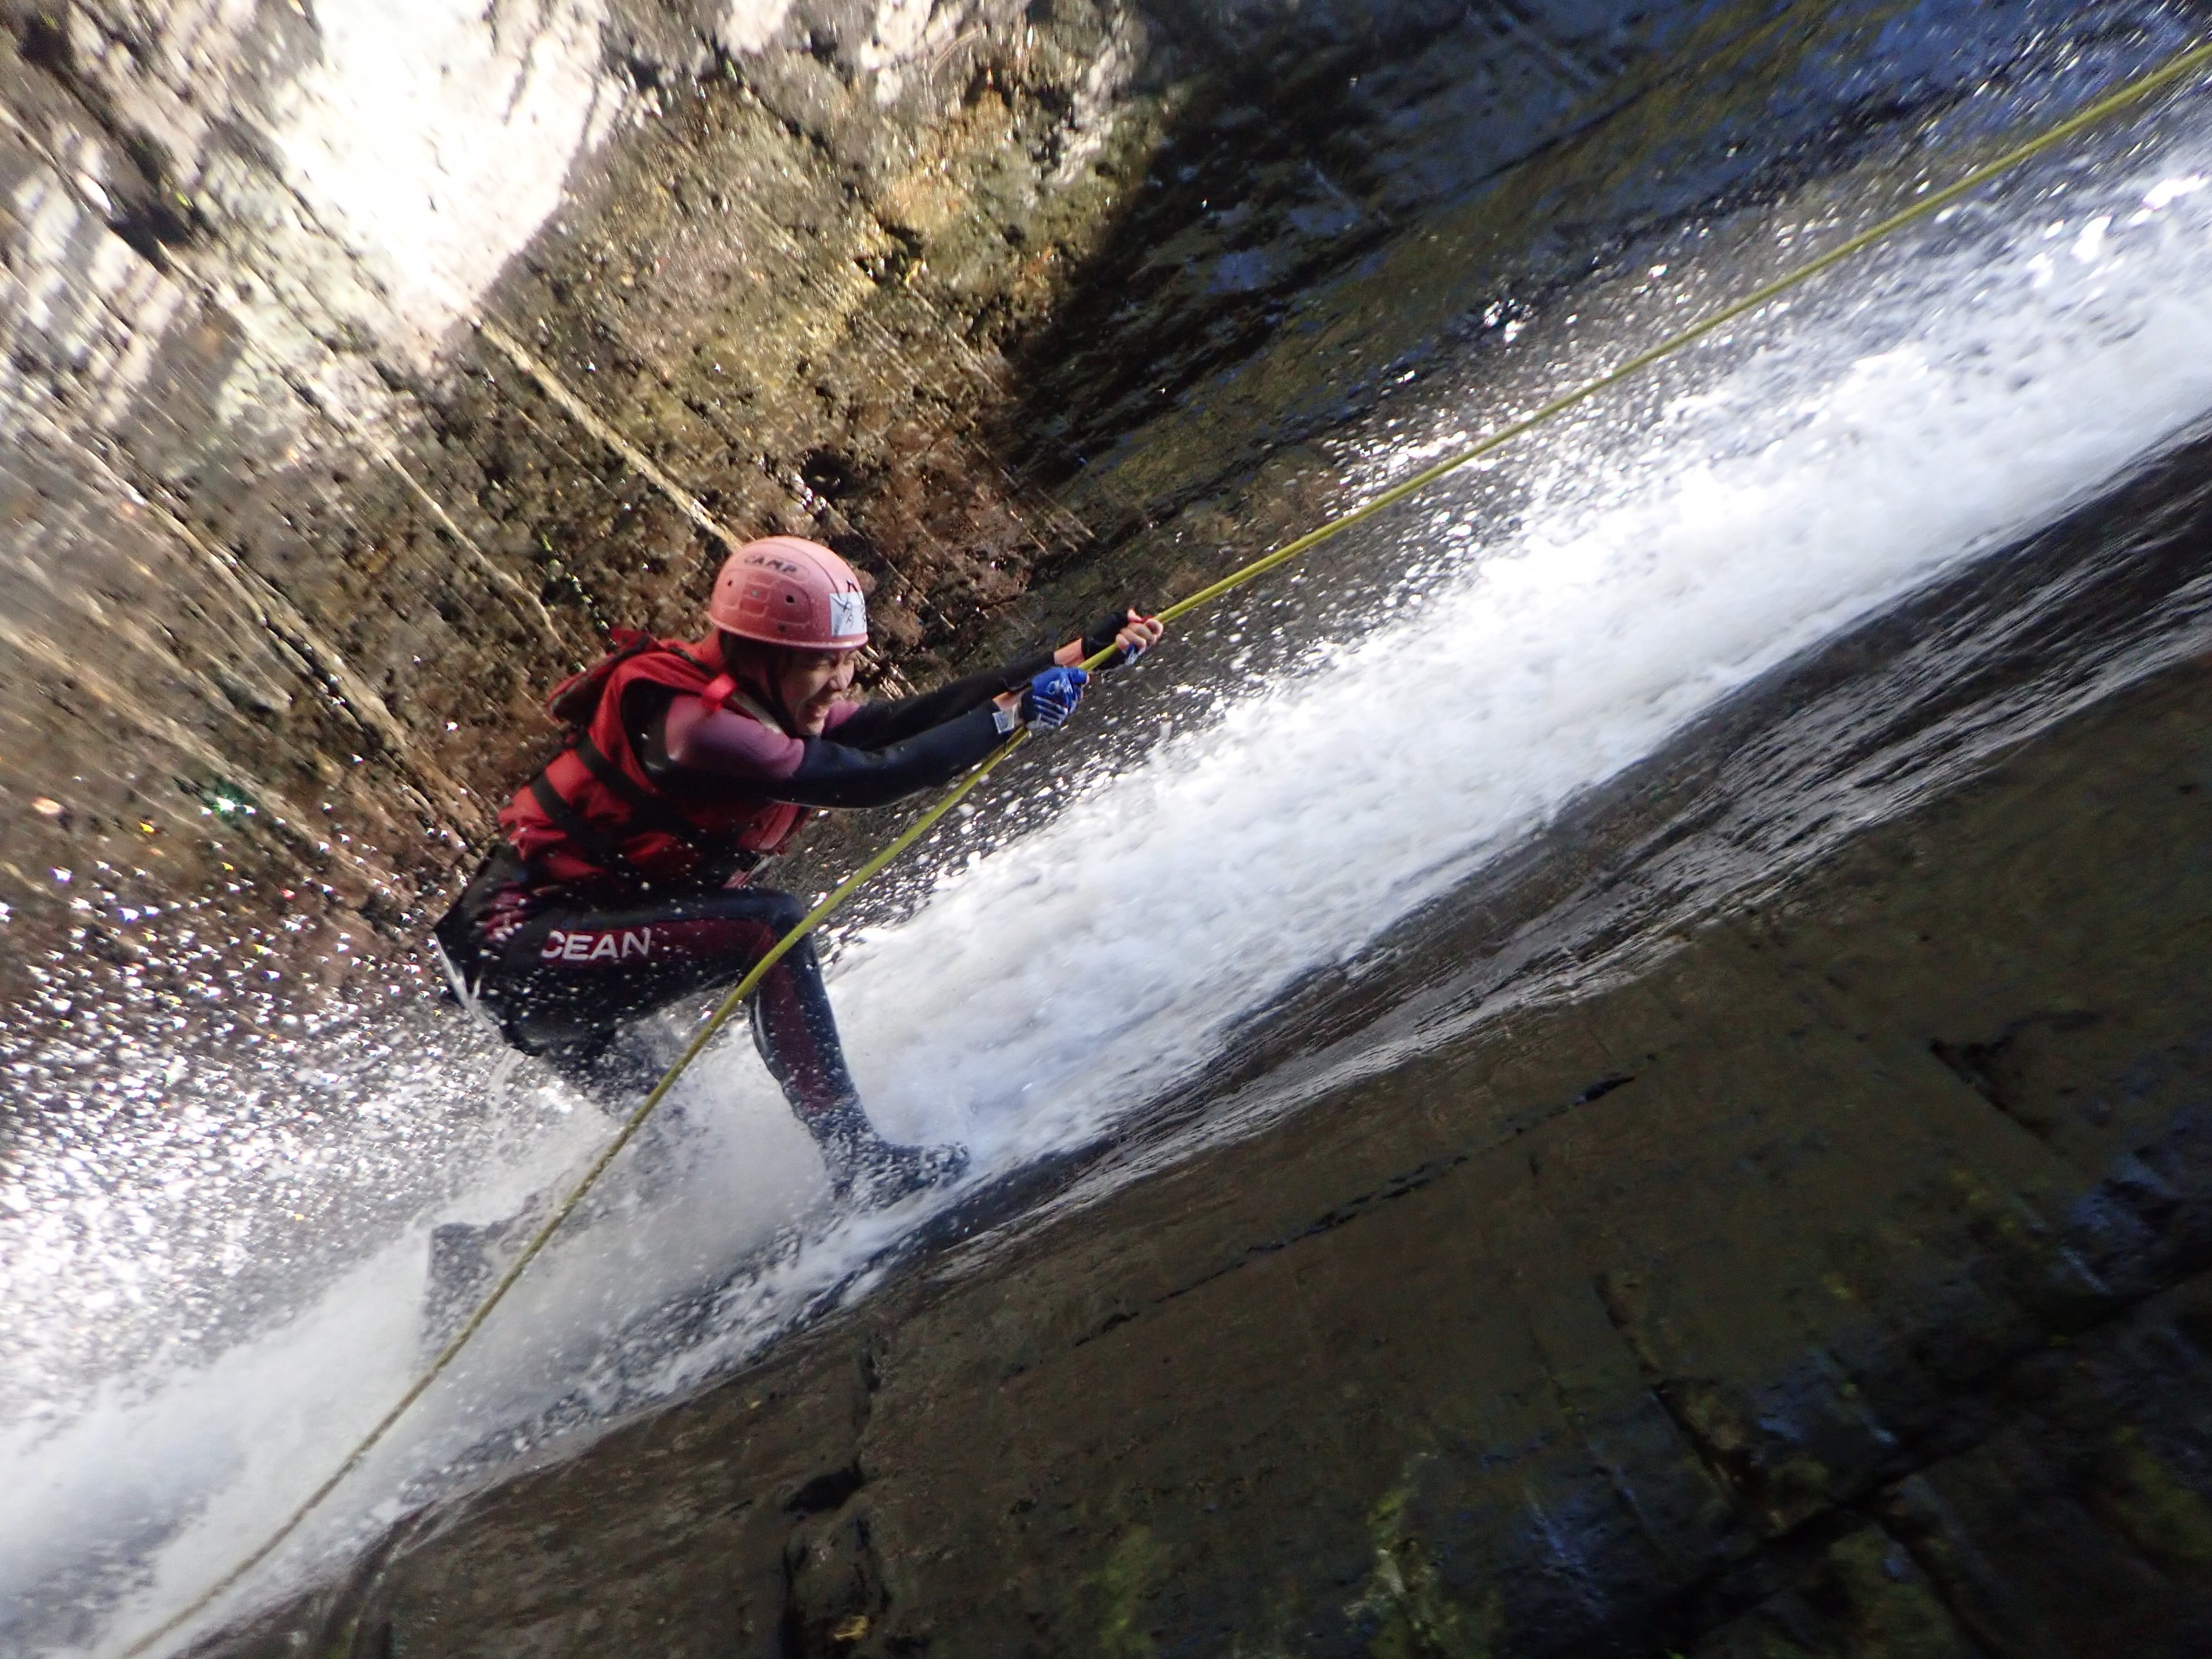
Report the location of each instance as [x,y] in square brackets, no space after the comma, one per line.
[723,688]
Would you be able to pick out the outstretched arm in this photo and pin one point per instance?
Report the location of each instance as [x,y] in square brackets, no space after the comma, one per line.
[873,725]
[834,774]
[826,771]
[881,752]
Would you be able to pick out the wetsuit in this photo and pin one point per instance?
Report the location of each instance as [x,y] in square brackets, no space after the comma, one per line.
[562,954]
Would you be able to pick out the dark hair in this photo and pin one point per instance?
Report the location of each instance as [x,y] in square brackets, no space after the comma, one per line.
[739,654]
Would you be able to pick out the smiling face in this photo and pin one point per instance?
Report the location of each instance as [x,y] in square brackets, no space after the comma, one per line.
[807,682]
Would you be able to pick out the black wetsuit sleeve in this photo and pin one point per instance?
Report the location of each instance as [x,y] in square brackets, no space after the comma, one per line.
[879,725]
[833,773]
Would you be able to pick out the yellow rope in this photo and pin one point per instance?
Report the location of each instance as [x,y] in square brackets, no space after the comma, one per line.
[2173,69]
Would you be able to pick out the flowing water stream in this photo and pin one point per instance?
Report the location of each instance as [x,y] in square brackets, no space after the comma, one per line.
[1336,751]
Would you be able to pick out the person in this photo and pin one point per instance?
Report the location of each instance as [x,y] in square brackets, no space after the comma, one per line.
[625,878]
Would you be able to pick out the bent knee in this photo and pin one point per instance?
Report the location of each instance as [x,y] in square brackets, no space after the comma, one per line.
[783,912]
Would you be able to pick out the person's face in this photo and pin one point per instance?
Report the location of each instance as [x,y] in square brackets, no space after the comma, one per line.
[808,682]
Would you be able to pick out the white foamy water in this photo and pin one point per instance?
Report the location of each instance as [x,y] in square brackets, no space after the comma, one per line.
[1927,408]
[1653,571]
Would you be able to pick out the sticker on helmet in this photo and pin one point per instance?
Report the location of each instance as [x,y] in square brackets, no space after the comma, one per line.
[848,614]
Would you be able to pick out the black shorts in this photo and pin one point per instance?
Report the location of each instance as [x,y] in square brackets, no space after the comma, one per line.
[561,969]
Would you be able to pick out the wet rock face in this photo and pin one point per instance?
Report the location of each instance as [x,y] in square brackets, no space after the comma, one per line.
[292,553]
[294,543]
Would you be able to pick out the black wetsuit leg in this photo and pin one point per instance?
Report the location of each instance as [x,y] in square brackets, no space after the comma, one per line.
[567,975]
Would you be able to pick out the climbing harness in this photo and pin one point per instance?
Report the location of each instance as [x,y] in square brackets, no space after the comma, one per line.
[2175,68]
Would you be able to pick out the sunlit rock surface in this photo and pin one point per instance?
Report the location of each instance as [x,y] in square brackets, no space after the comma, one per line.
[292,553]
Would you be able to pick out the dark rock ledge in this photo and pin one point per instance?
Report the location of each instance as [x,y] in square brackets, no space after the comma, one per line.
[1841,1286]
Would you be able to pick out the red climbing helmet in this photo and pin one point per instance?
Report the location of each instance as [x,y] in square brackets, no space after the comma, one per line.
[783,590]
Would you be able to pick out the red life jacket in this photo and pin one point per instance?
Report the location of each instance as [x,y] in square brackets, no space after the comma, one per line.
[594,814]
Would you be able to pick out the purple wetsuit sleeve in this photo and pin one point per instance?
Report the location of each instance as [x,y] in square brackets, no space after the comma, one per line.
[814,771]
[729,746]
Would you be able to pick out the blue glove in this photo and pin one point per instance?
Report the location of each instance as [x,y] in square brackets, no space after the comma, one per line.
[1051,698]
